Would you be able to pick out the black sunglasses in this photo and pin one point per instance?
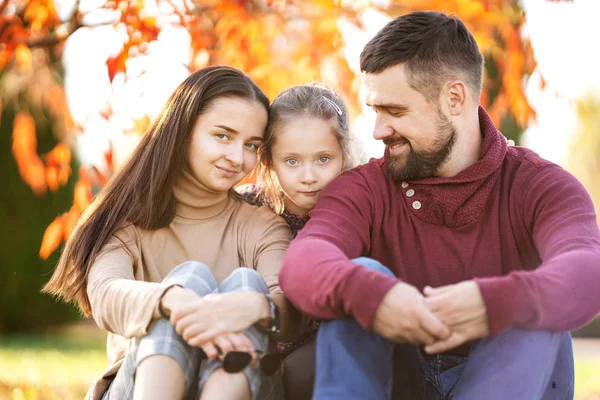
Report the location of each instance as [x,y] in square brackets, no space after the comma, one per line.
[236,361]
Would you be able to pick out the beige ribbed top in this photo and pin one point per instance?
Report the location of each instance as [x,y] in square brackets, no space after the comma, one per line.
[224,233]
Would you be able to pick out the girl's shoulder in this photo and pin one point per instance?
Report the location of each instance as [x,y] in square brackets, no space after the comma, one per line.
[251,193]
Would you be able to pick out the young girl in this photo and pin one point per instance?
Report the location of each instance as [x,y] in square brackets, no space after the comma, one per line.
[307,144]
[156,257]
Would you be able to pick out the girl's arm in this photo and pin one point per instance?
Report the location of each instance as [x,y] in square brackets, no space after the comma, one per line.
[270,249]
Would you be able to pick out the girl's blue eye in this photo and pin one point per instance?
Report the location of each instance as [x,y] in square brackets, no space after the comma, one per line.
[324,159]
[291,161]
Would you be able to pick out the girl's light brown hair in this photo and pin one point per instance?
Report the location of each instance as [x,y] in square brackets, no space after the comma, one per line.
[313,100]
[141,192]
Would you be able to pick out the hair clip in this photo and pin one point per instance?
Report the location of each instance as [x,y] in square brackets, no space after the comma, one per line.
[337,108]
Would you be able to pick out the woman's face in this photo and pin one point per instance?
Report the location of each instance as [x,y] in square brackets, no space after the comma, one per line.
[224,142]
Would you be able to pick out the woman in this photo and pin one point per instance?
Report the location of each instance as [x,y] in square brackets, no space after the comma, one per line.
[156,258]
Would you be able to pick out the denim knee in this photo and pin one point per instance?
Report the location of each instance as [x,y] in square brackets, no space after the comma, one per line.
[537,338]
[373,265]
[193,275]
[244,280]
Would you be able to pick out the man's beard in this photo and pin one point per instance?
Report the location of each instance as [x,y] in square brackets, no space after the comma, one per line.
[422,164]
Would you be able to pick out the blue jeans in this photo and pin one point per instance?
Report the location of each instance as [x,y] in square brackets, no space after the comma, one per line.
[515,364]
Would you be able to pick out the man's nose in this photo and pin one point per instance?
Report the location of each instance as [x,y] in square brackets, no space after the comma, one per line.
[382,128]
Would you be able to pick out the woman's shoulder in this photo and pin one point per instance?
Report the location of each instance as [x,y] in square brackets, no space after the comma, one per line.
[127,236]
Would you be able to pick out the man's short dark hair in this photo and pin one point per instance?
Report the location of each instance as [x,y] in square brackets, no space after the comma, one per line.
[433,46]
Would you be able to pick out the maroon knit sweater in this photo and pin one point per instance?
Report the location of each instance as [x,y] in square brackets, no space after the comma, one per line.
[521,226]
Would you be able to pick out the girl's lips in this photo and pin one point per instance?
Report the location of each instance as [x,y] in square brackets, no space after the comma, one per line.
[312,193]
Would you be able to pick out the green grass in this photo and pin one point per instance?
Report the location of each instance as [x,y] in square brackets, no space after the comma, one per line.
[52,367]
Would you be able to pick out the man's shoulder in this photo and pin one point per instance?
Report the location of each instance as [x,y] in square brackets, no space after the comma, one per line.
[524,163]
[529,173]
[373,170]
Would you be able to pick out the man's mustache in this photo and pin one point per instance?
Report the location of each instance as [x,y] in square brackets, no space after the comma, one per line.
[388,141]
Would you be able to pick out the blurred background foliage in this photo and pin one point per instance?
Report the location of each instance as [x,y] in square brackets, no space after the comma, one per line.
[278,43]
[51,169]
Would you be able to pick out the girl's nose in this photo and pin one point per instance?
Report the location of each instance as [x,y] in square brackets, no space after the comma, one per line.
[308,177]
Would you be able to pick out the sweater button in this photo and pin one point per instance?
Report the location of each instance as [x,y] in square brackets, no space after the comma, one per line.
[410,193]
[404,185]
[416,204]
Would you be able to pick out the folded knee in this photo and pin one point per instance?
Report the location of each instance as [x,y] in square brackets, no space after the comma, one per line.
[244,280]
[193,275]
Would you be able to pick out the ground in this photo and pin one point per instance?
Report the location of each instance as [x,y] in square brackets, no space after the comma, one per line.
[61,364]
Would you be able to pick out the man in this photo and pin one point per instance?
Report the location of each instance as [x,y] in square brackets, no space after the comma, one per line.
[481,257]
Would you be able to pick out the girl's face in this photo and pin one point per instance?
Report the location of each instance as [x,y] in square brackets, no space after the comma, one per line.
[224,142]
[306,157]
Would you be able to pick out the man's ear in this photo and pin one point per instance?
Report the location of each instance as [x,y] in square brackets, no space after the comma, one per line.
[455,95]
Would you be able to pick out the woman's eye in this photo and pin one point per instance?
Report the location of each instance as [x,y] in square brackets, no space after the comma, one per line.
[324,159]
[291,161]
[252,146]
[222,136]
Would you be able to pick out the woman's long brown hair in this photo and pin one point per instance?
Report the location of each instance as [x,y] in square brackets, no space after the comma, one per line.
[141,192]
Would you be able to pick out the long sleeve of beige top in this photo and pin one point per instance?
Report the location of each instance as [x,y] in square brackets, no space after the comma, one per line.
[124,282]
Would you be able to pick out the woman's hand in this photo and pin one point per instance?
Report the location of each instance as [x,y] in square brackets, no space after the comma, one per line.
[221,345]
[218,314]
[199,320]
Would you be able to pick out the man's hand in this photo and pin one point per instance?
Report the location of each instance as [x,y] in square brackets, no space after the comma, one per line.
[403,316]
[462,309]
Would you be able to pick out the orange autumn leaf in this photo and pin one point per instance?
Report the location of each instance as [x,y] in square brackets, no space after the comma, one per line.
[69,220]
[82,195]
[64,173]
[31,168]
[52,178]
[24,139]
[59,155]
[53,237]
[33,173]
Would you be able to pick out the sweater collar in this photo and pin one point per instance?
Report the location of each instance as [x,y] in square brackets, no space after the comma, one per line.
[194,201]
[459,200]
[493,150]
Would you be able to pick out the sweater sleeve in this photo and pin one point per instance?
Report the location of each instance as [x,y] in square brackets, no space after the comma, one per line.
[318,275]
[121,304]
[562,293]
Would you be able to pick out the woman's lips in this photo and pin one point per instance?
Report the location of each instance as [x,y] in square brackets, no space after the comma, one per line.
[227,172]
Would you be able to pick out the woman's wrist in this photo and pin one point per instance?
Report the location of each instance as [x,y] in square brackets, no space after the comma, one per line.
[269,321]
[167,299]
